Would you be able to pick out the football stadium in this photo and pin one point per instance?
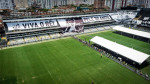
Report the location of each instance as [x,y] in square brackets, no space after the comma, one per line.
[105,48]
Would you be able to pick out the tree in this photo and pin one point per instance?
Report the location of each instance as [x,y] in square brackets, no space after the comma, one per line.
[44,10]
[55,6]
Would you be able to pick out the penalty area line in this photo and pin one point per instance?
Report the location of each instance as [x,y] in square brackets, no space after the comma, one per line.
[50,74]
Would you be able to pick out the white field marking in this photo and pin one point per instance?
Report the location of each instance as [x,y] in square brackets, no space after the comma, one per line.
[34,77]
[41,75]
[50,73]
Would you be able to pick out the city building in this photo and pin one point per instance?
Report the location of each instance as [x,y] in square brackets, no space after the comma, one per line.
[21,4]
[89,2]
[99,4]
[78,2]
[61,2]
[6,4]
[140,3]
[30,2]
[116,4]
[44,3]
[48,4]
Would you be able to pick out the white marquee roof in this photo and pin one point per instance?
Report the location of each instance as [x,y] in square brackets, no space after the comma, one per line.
[132,31]
[127,52]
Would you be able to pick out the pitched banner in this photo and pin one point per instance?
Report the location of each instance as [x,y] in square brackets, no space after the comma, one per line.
[71,25]
[97,18]
[31,25]
[123,16]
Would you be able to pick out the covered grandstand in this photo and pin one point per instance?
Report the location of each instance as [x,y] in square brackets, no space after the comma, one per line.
[38,29]
[48,28]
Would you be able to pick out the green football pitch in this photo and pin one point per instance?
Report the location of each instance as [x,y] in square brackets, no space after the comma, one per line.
[64,61]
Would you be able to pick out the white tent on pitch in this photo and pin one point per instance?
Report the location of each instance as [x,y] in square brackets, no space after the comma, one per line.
[127,52]
[132,31]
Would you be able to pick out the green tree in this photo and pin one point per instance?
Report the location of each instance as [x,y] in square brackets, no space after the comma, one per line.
[55,6]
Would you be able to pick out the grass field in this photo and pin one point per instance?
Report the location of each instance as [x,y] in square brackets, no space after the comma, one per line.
[124,40]
[65,61]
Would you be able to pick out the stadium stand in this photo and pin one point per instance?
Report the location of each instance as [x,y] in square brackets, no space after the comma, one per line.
[39,29]
[142,19]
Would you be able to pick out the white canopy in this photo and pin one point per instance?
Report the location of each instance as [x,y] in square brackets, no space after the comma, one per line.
[132,31]
[129,53]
